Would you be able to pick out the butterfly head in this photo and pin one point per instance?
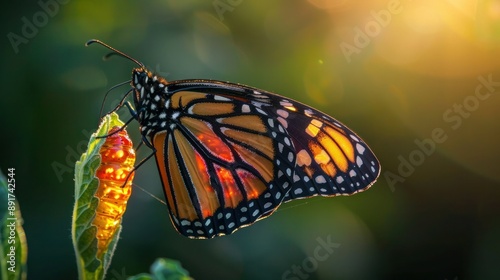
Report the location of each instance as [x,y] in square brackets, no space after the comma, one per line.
[150,98]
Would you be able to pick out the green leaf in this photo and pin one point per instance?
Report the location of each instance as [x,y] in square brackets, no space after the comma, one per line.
[164,269]
[91,264]
[12,238]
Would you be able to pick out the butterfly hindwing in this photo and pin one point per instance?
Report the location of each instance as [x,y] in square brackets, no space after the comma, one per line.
[331,159]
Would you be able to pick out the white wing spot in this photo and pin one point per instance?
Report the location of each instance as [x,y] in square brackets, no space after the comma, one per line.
[339,179]
[354,138]
[262,112]
[360,148]
[283,122]
[245,108]
[352,173]
[320,179]
[359,161]
[287,141]
[285,103]
[270,122]
[283,113]
[221,98]
[280,147]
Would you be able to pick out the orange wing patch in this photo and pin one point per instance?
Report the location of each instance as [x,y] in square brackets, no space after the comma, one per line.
[180,99]
[263,165]
[212,109]
[251,122]
[259,142]
[331,150]
[232,194]
[198,176]
[207,137]
[253,185]
[342,141]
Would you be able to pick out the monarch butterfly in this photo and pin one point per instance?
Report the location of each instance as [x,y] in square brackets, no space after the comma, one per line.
[229,154]
[117,161]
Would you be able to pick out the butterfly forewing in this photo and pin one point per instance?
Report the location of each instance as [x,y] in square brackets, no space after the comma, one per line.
[219,157]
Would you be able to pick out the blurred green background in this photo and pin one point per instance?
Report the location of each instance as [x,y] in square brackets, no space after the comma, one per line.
[418,80]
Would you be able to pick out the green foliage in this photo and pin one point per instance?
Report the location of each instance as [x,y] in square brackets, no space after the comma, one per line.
[164,269]
[90,264]
[12,238]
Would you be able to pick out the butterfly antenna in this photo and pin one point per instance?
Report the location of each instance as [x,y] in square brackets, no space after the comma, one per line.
[90,42]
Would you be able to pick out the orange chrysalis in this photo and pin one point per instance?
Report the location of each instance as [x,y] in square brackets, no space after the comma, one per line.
[117,161]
